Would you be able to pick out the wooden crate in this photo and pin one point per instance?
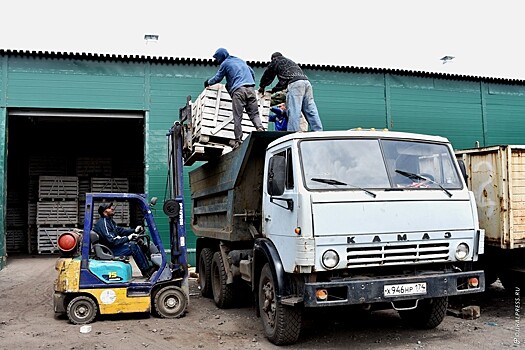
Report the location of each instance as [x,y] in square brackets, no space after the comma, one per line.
[57,213]
[109,185]
[31,213]
[15,240]
[47,165]
[15,217]
[209,130]
[58,187]
[93,166]
[47,239]
[121,217]
[212,118]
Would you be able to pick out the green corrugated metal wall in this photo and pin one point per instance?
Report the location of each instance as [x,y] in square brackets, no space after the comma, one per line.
[464,111]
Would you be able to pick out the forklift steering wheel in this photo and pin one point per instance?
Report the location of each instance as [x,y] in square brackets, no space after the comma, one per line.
[143,239]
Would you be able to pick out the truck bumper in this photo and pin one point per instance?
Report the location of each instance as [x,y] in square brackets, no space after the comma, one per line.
[367,291]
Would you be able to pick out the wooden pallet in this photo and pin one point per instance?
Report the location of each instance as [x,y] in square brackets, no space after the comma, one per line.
[58,187]
[57,213]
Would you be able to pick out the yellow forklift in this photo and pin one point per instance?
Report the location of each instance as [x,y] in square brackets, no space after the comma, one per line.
[91,281]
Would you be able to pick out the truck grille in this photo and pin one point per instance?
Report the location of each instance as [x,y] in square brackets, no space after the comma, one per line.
[397,254]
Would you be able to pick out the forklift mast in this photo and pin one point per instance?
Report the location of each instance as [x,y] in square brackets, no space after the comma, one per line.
[174,201]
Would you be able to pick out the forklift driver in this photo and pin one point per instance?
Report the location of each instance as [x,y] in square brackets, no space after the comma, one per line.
[121,241]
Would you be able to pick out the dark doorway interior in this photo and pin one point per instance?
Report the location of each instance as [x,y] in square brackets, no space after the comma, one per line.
[99,151]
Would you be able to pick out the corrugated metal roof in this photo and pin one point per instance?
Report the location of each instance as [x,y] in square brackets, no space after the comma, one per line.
[199,61]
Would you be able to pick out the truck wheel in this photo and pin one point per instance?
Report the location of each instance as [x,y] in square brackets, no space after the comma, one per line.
[170,302]
[205,259]
[282,324]
[428,314]
[223,293]
[82,310]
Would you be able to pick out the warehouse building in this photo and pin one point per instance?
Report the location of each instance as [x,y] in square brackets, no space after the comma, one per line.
[73,123]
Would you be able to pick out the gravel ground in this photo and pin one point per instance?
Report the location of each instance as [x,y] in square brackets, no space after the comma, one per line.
[27,321]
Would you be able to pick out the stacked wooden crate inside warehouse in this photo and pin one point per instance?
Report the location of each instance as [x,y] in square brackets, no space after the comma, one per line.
[56,200]
[56,210]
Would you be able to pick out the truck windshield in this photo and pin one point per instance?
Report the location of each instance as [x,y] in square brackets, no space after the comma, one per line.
[344,164]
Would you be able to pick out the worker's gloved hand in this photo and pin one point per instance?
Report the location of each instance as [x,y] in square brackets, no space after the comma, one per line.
[133,236]
[261,90]
[206,84]
[139,229]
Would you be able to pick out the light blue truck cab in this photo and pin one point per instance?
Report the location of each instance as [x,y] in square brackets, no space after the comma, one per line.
[378,219]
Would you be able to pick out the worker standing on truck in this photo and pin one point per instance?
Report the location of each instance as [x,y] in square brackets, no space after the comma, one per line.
[121,241]
[300,95]
[240,84]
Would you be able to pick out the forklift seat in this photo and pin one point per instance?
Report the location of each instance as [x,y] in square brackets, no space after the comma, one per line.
[100,251]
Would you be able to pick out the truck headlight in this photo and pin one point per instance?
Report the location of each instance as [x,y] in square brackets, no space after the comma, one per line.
[462,251]
[330,259]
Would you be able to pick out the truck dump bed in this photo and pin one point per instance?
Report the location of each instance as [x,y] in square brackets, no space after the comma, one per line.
[496,175]
[226,192]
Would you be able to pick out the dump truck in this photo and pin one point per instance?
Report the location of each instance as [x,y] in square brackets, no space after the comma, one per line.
[365,218]
[496,175]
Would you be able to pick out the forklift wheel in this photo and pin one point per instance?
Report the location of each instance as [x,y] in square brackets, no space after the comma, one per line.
[170,302]
[81,310]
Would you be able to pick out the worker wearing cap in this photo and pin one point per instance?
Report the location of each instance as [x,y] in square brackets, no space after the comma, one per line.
[121,241]
[300,95]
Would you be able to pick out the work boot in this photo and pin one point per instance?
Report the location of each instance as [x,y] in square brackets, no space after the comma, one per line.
[235,144]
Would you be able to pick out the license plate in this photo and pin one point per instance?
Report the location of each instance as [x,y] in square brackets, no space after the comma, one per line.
[405,289]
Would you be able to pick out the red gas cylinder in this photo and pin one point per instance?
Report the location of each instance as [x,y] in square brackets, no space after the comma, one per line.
[68,241]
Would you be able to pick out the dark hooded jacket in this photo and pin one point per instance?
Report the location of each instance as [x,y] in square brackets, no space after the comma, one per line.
[236,71]
[286,70]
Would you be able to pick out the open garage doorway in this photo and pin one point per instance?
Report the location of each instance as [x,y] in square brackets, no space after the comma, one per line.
[54,157]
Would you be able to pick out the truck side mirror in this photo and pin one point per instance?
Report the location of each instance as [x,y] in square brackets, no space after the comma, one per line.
[276,175]
[463,169]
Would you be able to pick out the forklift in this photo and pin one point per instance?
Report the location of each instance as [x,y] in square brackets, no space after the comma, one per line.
[92,281]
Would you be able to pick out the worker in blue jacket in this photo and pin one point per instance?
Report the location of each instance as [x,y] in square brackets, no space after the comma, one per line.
[279,116]
[121,241]
[240,84]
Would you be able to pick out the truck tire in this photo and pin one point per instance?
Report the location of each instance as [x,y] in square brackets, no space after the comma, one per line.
[282,324]
[428,314]
[205,259]
[223,293]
